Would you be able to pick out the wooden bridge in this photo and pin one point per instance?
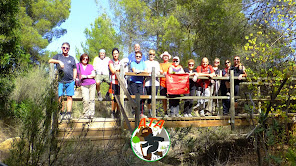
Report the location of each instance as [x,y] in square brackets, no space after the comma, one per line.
[106,128]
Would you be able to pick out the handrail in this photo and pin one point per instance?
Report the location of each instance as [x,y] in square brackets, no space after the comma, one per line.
[145,74]
[231,78]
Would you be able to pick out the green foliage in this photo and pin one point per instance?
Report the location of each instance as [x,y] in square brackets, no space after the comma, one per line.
[189,29]
[33,107]
[270,55]
[101,35]
[218,26]
[291,152]
[12,59]
[38,22]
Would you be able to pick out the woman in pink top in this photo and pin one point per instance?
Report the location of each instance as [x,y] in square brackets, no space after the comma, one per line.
[88,85]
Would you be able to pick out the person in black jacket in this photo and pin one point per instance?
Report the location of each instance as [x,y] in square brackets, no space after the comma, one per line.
[240,71]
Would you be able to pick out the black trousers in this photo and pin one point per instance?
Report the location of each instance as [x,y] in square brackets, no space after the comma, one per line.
[138,88]
[189,102]
[226,102]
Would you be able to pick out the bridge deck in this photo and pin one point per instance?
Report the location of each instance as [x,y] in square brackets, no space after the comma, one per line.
[108,128]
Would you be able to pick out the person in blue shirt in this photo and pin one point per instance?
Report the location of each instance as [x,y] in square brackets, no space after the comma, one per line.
[136,82]
[132,57]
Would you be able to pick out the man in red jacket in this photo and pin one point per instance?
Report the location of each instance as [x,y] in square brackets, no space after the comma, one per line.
[204,70]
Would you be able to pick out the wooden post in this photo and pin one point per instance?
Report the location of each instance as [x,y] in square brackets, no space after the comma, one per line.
[232,109]
[259,95]
[137,111]
[153,93]
[121,97]
[51,72]
[210,101]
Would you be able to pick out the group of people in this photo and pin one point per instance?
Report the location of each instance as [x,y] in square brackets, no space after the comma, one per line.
[104,68]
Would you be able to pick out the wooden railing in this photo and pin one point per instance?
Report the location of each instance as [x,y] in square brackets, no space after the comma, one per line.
[133,100]
[124,92]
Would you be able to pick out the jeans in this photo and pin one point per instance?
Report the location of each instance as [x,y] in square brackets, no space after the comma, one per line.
[189,102]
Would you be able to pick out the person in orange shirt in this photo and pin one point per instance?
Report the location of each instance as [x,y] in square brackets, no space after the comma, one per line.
[204,70]
[164,67]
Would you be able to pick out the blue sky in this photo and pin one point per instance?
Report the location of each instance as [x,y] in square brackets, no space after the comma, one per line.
[83,13]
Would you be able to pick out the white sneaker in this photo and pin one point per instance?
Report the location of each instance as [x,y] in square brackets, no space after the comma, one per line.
[100,96]
[197,105]
[185,115]
[189,115]
[178,115]
[143,116]
[202,113]
[68,116]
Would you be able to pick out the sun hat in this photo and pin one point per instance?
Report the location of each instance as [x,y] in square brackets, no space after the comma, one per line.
[165,53]
[176,57]
[102,50]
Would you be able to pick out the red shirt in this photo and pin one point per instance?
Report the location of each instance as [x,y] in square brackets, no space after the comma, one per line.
[206,70]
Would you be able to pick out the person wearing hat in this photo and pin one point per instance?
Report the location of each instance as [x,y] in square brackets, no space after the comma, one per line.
[100,64]
[164,67]
[175,68]
[150,63]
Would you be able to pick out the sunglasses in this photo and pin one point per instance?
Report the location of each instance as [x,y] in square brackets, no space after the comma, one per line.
[191,64]
[85,59]
[217,62]
[138,56]
[175,61]
[152,54]
[236,59]
[66,48]
[226,63]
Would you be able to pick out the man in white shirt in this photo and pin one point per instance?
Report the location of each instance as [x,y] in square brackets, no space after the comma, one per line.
[102,71]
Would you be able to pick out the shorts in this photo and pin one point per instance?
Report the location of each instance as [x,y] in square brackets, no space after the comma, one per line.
[163,91]
[66,89]
[115,90]
[102,78]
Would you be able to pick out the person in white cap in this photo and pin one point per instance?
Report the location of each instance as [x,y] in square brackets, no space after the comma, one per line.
[175,68]
[102,71]
[164,67]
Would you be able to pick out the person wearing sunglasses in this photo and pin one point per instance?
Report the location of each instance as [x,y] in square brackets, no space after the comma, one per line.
[192,87]
[240,71]
[88,86]
[204,70]
[136,82]
[114,66]
[150,63]
[225,87]
[215,85]
[164,67]
[67,73]
[175,68]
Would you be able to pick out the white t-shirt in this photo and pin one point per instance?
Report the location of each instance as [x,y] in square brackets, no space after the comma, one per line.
[149,65]
[101,66]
